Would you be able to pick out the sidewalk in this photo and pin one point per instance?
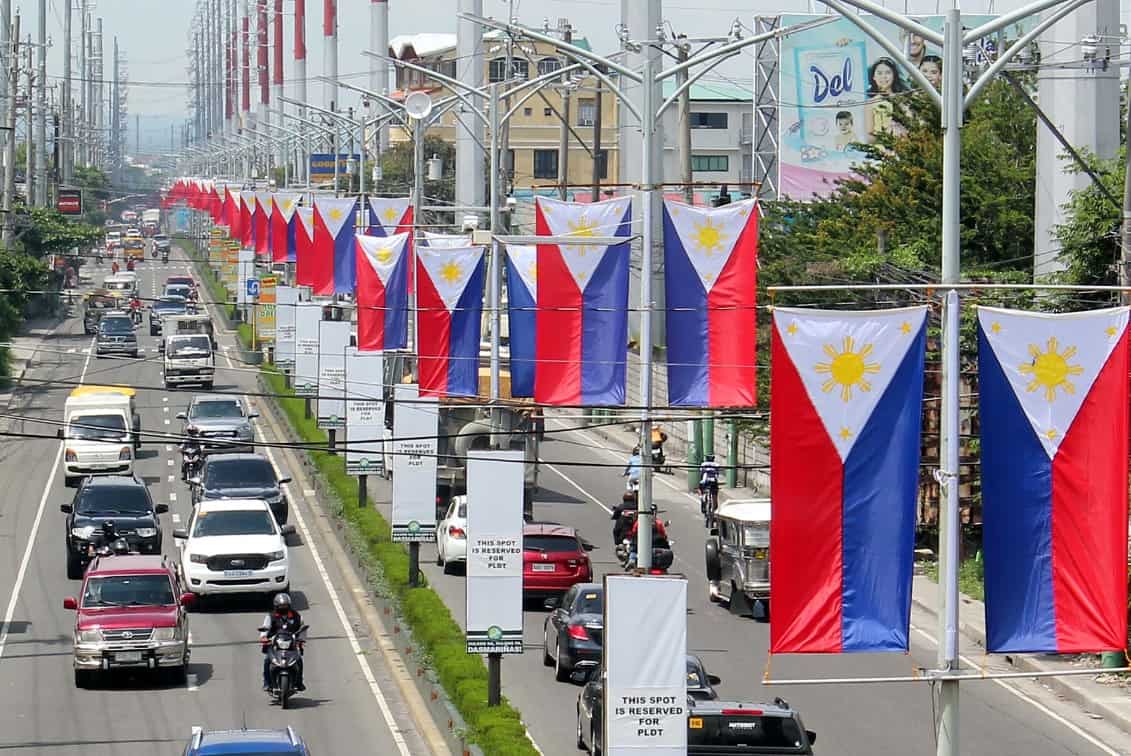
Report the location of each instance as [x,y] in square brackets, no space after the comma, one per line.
[1103,695]
[30,339]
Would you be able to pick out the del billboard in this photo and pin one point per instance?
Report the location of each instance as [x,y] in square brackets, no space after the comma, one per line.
[838,89]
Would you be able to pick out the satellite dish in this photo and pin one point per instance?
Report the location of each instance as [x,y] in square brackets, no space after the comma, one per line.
[418,105]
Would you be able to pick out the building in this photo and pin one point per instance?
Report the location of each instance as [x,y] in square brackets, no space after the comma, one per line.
[722,131]
[535,126]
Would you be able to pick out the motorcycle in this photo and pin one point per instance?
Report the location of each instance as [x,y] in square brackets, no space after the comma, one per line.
[662,556]
[154,253]
[164,256]
[659,460]
[284,653]
[191,460]
[709,504]
[135,313]
[105,542]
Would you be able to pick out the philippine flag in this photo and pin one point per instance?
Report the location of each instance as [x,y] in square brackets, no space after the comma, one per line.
[305,264]
[390,215]
[710,276]
[334,254]
[444,241]
[847,395]
[382,292]
[449,318]
[582,323]
[262,224]
[1053,402]
[522,297]
[229,211]
[283,227]
[247,220]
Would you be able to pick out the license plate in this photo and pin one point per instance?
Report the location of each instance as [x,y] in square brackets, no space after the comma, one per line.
[127,657]
[543,568]
[238,573]
[759,553]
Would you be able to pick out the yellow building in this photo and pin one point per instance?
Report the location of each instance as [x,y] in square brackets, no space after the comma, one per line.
[535,128]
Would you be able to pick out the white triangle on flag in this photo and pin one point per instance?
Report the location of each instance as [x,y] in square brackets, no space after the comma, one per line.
[524,258]
[583,220]
[382,252]
[446,241]
[1052,360]
[249,200]
[846,360]
[334,212]
[450,270]
[263,199]
[389,211]
[286,203]
[709,234]
[306,217]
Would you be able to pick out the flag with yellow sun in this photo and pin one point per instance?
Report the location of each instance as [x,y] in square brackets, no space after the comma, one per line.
[304,246]
[247,216]
[1053,410]
[382,292]
[282,236]
[262,224]
[335,270]
[710,277]
[390,215]
[846,398]
[449,301]
[522,299]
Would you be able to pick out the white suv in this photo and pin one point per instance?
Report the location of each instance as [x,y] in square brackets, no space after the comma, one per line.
[234,546]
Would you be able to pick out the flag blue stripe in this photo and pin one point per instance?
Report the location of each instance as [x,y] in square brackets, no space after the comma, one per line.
[396,306]
[463,349]
[345,259]
[881,486]
[521,330]
[292,244]
[1016,517]
[604,325]
[687,323]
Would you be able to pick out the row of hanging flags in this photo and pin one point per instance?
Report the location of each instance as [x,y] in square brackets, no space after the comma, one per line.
[567,303]
[846,398]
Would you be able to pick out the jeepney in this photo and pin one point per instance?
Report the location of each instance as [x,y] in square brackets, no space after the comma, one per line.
[738,555]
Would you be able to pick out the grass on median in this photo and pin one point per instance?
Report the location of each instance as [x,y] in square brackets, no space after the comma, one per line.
[218,293]
[499,731]
[971,577]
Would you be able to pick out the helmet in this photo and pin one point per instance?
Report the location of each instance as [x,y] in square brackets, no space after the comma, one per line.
[119,546]
[636,449]
[192,430]
[710,458]
[282,602]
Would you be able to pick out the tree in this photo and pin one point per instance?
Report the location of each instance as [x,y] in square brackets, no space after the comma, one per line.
[46,231]
[397,169]
[1089,237]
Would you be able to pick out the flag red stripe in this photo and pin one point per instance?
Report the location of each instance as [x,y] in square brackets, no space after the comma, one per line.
[732,333]
[433,336]
[558,326]
[322,259]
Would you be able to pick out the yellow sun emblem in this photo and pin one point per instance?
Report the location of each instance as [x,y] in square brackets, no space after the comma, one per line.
[390,214]
[451,273]
[708,238]
[336,214]
[1050,369]
[583,227]
[532,271]
[287,206]
[383,255]
[848,368]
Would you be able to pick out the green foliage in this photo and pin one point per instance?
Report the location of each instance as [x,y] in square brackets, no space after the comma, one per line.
[1089,237]
[971,577]
[397,172]
[46,231]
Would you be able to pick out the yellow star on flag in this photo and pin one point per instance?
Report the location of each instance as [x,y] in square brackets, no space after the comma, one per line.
[532,271]
[1111,331]
[451,273]
[383,255]
[1051,434]
[905,328]
[845,434]
[791,329]
[996,328]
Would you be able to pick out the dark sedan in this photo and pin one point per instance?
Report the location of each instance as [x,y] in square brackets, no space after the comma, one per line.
[572,631]
[241,476]
[163,307]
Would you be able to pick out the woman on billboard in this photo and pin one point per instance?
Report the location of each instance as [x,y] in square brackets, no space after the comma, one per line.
[883,82]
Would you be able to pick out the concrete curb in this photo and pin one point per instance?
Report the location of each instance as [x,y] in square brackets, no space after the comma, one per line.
[1066,687]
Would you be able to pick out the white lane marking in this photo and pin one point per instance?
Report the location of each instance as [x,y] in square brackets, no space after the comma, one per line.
[22,572]
[176,519]
[173,497]
[171,478]
[170,462]
[167,421]
[168,447]
[573,483]
[374,688]
[309,492]
[164,398]
[191,682]
[164,409]
[1032,701]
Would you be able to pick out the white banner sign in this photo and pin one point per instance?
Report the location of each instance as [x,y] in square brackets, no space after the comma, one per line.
[646,683]
[286,297]
[494,552]
[245,269]
[416,423]
[308,318]
[333,340]
[365,412]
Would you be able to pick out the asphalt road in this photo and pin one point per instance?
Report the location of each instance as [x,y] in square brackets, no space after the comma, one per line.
[40,709]
[893,718]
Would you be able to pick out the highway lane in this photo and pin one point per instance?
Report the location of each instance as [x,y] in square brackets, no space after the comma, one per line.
[849,719]
[41,710]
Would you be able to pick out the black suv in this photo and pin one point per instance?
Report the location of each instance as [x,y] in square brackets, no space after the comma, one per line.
[241,476]
[113,503]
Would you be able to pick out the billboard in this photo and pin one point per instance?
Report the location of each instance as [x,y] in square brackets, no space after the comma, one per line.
[322,165]
[69,201]
[838,90]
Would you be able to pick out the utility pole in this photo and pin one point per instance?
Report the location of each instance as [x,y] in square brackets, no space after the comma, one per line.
[563,136]
[41,107]
[245,72]
[330,54]
[595,194]
[5,65]
[10,145]
[505,139]
[469,134]
[300,75]
[683,123]
[277,74]
[81,132]
[379,68]
[29,129]
[262,115]
[65,166]
[100,97]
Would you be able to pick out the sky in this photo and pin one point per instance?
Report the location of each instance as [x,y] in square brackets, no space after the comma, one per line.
[153,36]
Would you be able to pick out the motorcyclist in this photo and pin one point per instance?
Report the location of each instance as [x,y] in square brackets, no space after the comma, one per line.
[632,469]
[658,439]
[286,619]
[114,267]
[191,444]
[659,536]
[708,481]
[130,265]
[622,512]
[135,308]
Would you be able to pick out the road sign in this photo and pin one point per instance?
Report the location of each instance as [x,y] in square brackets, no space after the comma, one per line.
[252,287]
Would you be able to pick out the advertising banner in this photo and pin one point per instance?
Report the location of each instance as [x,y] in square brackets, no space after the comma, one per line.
[838,90]
[333,340]
[416,421]
[365,412]
[494,552]
[645,683]
[286,297]
[245,271]
[69,201]
[322,166]
[265,309]
[308,318]
[229,272]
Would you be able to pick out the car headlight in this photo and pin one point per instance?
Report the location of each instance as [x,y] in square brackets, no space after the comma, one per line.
[125,454]
[276,556]
[84,533]
[166,634]
[70,456]
[89,636]
[198,559]
[146,532]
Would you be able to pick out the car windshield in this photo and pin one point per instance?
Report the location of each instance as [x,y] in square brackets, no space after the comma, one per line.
[98,428]
[756,536]
[214,410]
[160,238]
[746,733]
[233,523]
[178,281]
[114,500]
[117,285]
[117,326]
[128,590]
[170,304]
[239,473]
[550,543]
[589,602]
[178,290]
[193,346]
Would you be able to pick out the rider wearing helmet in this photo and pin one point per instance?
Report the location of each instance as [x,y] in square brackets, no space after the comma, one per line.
[282,618]
[632,469]
[190,444]
[708,480]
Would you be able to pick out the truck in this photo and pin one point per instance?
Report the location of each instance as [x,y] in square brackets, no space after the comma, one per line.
[189,359]
[150,221]
[99,432]
[179,325]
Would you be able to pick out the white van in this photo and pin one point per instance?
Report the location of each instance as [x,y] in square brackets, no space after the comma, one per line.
[123,282]
[99,433]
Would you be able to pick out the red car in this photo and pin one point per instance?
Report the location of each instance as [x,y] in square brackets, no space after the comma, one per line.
[130,616]
[554,557]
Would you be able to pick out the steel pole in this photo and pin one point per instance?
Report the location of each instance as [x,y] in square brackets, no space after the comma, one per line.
[66,151]
[41,108]
[496,251]
[949,532]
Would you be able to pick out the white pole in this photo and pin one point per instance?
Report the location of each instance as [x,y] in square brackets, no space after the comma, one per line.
[41,106]
[496,250]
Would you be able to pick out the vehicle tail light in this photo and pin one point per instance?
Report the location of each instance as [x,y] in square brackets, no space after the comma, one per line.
[70,456]
[456,533]
[577,632]
[742,712]
[654,571]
